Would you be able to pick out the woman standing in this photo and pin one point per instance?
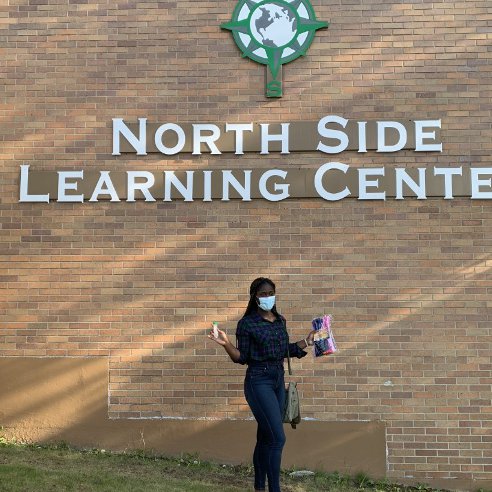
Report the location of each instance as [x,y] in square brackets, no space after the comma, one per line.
[262,344]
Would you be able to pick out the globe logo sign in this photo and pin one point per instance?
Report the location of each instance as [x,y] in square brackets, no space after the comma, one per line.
[273,25]
[273,33]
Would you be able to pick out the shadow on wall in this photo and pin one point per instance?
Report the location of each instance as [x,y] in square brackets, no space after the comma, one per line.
[51,399]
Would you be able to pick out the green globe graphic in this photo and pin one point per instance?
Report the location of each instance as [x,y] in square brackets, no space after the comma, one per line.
[273,32]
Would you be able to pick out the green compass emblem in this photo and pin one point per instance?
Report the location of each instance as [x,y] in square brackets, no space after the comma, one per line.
[273,33]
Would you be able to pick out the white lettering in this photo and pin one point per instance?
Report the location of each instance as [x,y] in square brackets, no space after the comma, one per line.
[318,181]
[104,180]
[24,185]
[283,188]
[63,186]
[160,144]
[402,136]
[185,191]
[420,134]
[448,173]
[139,144]
[323,131]
[417,188]
[207,186]
[364,183]
[208,140]
[362,136]
[228,179]
[132,186]
[239,129]
[266,138]
[476,183]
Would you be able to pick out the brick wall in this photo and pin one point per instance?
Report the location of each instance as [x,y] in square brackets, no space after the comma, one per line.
[408,282]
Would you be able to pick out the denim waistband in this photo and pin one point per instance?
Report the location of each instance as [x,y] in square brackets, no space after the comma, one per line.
[266,363]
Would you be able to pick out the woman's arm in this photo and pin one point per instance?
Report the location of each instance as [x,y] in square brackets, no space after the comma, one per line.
[223,340]
[302,344]
[233,352]
[307,342]
[299,349]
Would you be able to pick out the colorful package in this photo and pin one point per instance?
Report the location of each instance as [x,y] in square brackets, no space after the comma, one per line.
[324,341]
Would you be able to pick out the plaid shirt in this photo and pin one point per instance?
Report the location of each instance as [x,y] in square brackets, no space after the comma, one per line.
[260,340]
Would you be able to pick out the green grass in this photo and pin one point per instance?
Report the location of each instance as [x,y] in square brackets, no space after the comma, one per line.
[28,467]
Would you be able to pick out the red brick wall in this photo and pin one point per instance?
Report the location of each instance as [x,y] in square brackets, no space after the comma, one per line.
[408,282]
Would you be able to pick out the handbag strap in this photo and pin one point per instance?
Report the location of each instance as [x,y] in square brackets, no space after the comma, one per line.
[288,351]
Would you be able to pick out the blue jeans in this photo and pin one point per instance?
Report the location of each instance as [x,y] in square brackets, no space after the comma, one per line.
[264,389]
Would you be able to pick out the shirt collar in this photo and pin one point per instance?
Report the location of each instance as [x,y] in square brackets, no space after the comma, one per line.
[256,317]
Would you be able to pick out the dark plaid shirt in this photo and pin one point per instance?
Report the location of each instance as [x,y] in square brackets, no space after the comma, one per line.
[260,340]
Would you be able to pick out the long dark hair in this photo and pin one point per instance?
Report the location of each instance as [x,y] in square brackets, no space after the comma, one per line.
[253,289]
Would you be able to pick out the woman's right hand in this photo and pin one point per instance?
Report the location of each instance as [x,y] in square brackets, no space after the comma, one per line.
[221,339]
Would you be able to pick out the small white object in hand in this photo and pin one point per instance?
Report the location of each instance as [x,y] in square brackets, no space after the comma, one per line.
[215,327]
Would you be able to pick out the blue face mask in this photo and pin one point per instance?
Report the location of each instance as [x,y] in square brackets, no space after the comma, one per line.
[266,303]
